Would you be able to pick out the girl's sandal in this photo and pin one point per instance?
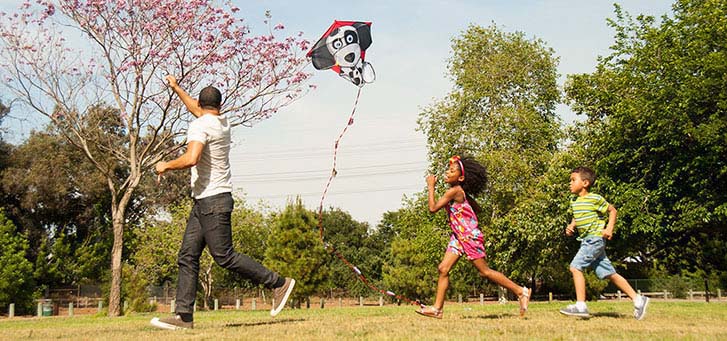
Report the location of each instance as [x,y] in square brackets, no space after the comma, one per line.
[524,299]
[430,312]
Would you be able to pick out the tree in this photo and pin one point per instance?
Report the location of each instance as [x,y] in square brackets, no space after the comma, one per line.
[656,129]
[128,47]
[415,252]
[294,249]
[501,112]
[347,236]
[16,280]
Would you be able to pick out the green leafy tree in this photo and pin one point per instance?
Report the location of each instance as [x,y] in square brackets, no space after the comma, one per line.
[294,249]
[416,250]
[16,280]
[655,131]
[502,112]
[347,236]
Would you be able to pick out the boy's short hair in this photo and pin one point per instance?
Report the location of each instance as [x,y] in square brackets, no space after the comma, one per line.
[210,98]
[586,174]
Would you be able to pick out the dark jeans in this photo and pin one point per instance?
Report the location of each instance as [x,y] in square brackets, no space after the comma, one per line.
[209,224]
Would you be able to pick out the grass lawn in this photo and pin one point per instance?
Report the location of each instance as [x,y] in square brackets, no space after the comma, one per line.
[611,320]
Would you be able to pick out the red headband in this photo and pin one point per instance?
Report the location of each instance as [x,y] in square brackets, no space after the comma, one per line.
[459,161]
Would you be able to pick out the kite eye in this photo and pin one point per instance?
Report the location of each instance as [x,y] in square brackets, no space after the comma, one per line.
[350,37]
[337,44]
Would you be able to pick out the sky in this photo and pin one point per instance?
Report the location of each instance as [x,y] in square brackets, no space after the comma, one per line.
[383,157]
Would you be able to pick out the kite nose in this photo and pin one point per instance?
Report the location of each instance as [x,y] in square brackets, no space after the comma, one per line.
[350,57]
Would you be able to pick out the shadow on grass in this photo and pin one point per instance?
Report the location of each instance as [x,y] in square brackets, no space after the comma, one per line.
[502,316]
[263,323]
[491,316]
[609,314]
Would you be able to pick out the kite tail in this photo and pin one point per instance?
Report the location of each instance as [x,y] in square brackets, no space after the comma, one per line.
[331,248]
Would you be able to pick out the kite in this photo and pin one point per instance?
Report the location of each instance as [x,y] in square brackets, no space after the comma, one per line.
[343,49]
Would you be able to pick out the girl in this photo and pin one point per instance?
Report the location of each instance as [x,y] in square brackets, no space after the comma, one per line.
[466,179]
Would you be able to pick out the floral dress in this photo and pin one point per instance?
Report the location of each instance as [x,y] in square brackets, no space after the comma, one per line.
[466,238]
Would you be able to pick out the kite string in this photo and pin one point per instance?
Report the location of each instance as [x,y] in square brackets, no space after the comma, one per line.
[331,248]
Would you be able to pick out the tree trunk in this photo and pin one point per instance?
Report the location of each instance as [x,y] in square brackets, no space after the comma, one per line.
[118,214]
[118,245]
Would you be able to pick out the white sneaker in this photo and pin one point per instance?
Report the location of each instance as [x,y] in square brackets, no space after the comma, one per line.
[572,310]
[640,310]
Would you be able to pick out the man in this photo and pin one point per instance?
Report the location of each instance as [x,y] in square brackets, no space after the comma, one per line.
[208,151]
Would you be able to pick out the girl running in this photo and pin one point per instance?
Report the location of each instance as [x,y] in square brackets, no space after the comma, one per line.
[466,178]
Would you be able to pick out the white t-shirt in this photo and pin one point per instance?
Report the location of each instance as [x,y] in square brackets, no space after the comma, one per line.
[212,174]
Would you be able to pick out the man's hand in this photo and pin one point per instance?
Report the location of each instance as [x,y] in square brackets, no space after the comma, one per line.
[160,167]
[431,179]
[171,81]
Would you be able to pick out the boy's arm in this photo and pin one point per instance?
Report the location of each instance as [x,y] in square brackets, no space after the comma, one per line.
[608,231]
[189,102]
[434,204]
[571,228]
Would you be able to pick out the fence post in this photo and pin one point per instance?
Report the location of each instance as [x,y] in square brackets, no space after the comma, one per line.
[482,299]
[172,305]
[340,302]
[618,294]
[216,304]
[381,301]
[237,304]
[719,294]
[307,302]
[459,298]
[691,294]
[126,306]
[666,294]
[638,291]
[323,302]
[11,310]
[40,309]
[254,304]
[360,301]
[550,297]
[70,309]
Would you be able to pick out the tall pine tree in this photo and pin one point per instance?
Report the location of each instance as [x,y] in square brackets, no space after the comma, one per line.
[295,250]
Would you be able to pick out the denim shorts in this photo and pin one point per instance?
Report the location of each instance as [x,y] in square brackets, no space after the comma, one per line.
[592,254]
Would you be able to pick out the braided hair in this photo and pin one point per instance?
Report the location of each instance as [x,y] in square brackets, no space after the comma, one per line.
[475,180]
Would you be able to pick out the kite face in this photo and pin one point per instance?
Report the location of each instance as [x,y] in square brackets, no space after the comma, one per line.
[343,49]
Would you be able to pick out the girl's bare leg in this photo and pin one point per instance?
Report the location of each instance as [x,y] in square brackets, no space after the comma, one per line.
[449,260]
[496,276]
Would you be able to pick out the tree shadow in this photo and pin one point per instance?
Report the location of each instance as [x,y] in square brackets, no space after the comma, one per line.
[262,323]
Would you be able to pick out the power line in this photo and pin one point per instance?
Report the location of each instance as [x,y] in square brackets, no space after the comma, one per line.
[381,168]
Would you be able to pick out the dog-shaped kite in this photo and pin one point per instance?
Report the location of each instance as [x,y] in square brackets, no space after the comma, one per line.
[343,49]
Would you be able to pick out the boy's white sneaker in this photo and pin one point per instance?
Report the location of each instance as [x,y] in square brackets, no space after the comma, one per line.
[640,310]
[572,310]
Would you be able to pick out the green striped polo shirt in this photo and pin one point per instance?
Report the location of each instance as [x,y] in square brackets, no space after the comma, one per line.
[589,211]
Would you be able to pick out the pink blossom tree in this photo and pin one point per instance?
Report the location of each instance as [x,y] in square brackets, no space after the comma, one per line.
[64,58]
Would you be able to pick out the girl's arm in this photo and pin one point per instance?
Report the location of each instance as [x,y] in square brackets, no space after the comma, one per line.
[435,205]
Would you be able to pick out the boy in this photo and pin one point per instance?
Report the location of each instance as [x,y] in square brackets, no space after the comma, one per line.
[589,219]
